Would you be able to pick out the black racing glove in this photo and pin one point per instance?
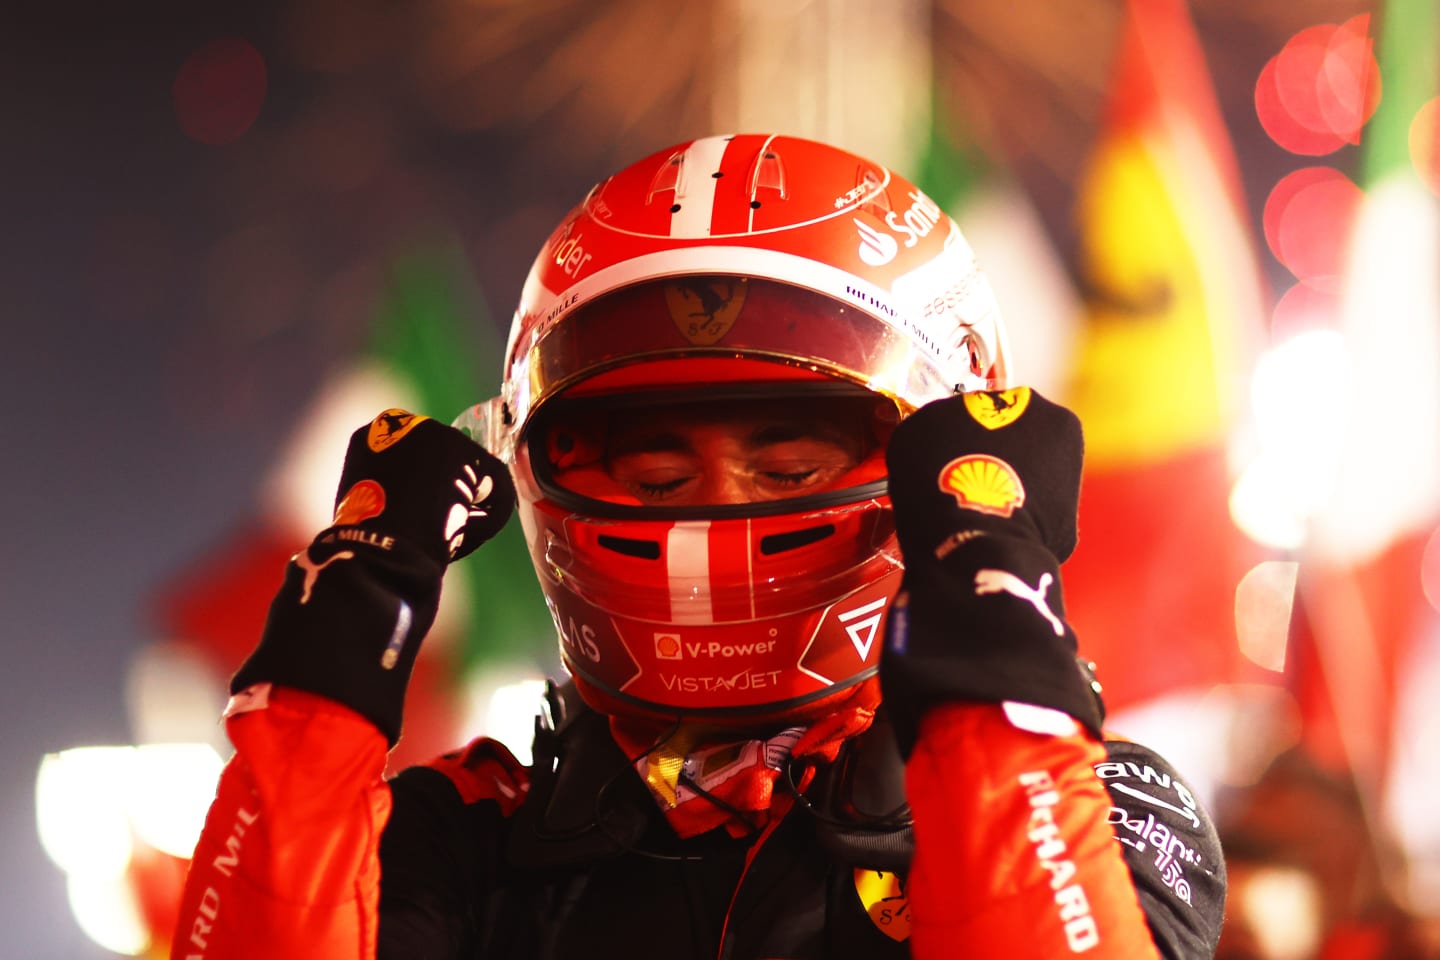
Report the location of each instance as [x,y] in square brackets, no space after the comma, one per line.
[414,495]
[985,488]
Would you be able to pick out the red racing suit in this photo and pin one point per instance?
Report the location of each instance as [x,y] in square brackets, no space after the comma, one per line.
[1024,844]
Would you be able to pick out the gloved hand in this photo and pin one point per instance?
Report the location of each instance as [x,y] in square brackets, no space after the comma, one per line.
[985,488]
[347,623]
[422,483]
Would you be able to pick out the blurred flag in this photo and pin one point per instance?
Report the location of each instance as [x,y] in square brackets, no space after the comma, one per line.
[1172,310]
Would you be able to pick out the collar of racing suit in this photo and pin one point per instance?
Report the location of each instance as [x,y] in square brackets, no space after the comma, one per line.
[587,803]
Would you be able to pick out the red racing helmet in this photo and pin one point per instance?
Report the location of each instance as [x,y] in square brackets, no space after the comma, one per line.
[729,273]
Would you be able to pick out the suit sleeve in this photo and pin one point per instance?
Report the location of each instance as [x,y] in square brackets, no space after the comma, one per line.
[1021,851]
[289,864]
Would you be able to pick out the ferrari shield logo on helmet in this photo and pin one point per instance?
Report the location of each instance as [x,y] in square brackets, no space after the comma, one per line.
[983,483]
[993,409]
[390,427]
[704,308]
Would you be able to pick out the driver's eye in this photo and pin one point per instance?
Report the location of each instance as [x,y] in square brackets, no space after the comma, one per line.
[659,490]
[793,478]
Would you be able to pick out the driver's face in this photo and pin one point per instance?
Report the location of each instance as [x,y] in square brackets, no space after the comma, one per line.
[672,460]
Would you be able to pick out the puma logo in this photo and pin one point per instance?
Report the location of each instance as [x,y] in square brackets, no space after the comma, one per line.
[996,581]
[312,569]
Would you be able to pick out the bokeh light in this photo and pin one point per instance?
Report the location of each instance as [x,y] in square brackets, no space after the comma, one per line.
[1264,600]
[219,91]
[1314,96]
[1302,308]
[1307,219]
[106,909]
[1425,143]
[1430,570]
[1298,413]
[100,811]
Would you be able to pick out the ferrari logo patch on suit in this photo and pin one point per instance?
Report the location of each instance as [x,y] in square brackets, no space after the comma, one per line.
[883,897]
[704,309]
[993,409]
[984,483]
[390,427]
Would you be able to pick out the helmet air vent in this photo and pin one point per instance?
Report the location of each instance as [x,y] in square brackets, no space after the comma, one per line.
[795,539]
[640,549]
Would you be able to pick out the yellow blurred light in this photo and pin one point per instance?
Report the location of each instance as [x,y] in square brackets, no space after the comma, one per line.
[1264,600]
[106,910]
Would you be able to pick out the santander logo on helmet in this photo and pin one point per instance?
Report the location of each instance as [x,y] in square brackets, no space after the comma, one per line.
[876,248]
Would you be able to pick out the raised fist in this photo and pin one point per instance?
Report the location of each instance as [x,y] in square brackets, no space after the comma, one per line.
[408,477]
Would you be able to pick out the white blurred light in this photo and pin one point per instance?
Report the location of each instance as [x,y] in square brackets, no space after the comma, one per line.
[1282,905]
[1264,600]
[106,911]
[503,702]
[511,717]
[1390,475]
[92,803]
[1301,406]
[171,788]
[1261,507]
[79,813]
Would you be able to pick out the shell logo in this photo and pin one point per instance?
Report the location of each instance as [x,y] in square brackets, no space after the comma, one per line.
[984,483]
[364,500]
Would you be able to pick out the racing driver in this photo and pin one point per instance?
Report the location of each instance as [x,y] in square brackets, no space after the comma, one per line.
[801,541]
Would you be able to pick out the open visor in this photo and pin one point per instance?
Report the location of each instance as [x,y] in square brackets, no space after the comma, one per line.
[615,341]
[711,452]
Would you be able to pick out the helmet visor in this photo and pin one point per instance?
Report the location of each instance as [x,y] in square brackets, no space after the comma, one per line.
[744,450]
[788,327]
